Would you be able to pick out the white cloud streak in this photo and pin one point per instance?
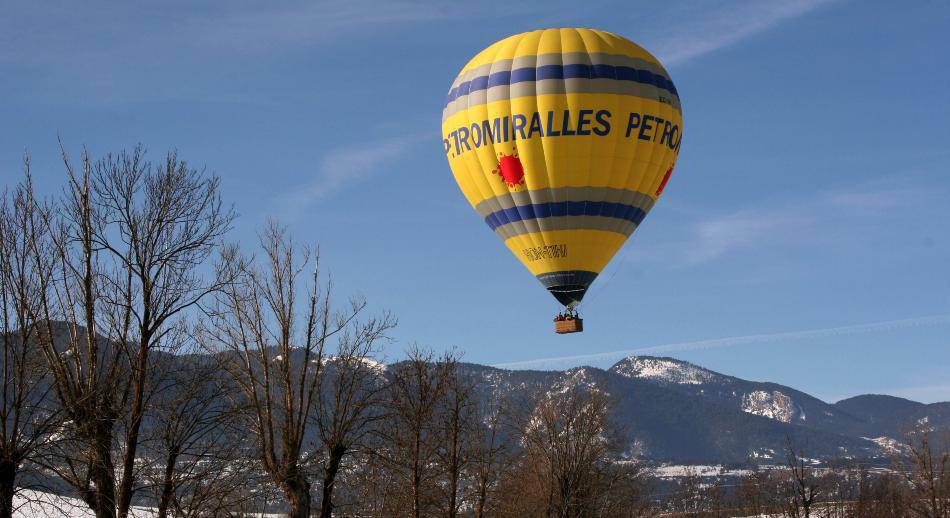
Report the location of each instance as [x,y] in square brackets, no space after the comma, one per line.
[348,166]
[708,31]
[732,341]
[885,204]
[718,235]
[310,22]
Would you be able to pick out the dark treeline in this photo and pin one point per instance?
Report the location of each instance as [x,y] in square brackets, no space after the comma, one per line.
[148,361]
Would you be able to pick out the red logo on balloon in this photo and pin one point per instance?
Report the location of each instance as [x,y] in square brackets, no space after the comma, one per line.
[510,169]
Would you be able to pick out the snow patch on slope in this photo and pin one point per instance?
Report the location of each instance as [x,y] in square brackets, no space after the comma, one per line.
[662,369]
[573,378]
[774,405]
[887,444]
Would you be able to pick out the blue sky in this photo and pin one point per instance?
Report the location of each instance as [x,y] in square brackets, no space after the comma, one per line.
[803,238]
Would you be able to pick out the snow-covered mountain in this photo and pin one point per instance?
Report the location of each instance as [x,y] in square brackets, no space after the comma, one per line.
[762,399]
[665,370]
[678,411]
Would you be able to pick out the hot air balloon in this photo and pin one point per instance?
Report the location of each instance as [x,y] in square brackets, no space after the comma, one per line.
[563,140]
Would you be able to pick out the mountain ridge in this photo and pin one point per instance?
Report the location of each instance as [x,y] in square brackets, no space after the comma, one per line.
[682,412]
[672,410]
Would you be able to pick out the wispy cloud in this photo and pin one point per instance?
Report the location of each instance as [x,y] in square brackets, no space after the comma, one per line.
[716,236]
[856,214]
[705,236]
[55,34]
[202,46]
[606,358]
[348,166]
[311,22]
[708,30]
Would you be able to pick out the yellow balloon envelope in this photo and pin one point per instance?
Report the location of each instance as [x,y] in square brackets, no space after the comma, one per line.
[562,140]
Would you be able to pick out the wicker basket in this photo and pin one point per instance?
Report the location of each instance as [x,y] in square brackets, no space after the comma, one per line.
[572,325]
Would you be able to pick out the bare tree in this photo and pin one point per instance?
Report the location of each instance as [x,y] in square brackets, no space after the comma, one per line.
[27,413]
[197,445]
[87,372]
[275,352]
[804,481]
[569,451]
[691,497]
[130,238]
[349,402]
[410,435]
[880,495]
[373,486]
[489,449]
[162,222]
[456,420]
[926,468]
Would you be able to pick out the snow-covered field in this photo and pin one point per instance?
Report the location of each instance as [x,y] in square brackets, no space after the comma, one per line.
[36,504]
[29,503]
[669,471]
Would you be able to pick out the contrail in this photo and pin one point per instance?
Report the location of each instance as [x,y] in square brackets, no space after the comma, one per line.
[612,356]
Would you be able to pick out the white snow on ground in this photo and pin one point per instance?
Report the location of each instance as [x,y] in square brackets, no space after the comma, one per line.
[774,405]
[762,453]
[680,470]
[37,504]
[30,504]
[664,370]
[677,470]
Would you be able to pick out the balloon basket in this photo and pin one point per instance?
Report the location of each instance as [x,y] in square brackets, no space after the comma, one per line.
[569,325]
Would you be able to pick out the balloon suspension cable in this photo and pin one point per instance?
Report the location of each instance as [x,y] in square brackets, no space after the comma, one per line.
[570,310]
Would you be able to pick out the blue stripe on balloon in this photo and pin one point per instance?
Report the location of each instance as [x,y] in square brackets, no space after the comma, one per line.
[565,208]
[578,71]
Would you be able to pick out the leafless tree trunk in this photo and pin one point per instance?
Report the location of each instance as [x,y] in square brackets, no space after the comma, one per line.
[197,447]
[456,419]
[804,481]
[409,434]
[881,495]
[927,470]
[27,413]
[163,221]
[349,402]
[88,373]
[129,239]
[690,497]
[489,450]
[568,453]
[749,492]
[276,353]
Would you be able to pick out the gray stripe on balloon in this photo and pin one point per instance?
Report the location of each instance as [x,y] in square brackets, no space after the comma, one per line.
[567,58]
[555,223]
[558,194]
